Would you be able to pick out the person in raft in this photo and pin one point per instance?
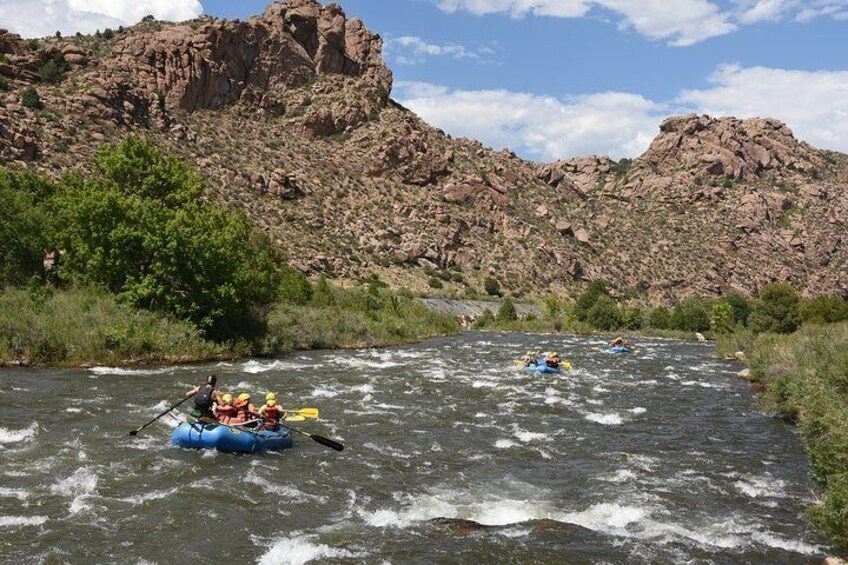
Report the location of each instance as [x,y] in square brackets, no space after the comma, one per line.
[245,410]
[620,342]
[226,412]
[529,359]
[272,413]
[205,397]
[553,360]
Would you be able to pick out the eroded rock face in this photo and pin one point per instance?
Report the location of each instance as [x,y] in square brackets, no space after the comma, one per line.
[210,65]
[729,147]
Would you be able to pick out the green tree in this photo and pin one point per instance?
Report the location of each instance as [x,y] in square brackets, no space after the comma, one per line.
[823,310]
[740,306]
[24,226]
[587,300]
[691,315]
[659,318]
[492,287]
[551,307]
[138,228]
[295,287]
[722,319]
[54,70]
[604,314]
[507,312]
[776,310]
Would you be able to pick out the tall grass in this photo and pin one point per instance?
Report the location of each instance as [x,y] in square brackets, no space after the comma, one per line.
[81,326]
[805,376]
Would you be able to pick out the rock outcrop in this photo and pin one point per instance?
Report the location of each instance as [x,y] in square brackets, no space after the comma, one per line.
[288,117]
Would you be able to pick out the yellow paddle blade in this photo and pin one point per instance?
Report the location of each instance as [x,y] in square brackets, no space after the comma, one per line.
[295,418]
[305,412]
[567,366]
[518,361]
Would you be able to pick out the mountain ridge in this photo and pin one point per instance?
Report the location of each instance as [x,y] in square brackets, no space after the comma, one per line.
[288,116]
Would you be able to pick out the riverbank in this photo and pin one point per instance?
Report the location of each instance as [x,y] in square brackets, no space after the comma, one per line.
[83,327]
[804,376]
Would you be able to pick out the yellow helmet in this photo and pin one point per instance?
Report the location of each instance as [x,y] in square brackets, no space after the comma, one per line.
[244,396]
[270,396]
[271,402]
[554,354]
[228,398]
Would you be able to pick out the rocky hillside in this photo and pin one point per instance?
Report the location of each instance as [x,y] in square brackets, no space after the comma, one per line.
[288,116]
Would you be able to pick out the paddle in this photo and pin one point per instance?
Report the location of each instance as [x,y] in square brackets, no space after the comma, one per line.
[135,432]
[295,418]
[310,413]
[316,438]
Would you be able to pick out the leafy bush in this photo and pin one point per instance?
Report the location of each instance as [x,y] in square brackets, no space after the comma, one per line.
[507,312]
[823,310]
[604,314]
[24,226]
[54,70]
[295,287]
[484,319]
[691,315]
[631,318]
[435,283]
[322,295]
[587,300]
[5,86]
[740,306]
[551,307]
[108,33]
[139,229]
[492,287]
[721,318]
[30,98]
[776,311]
[660,318]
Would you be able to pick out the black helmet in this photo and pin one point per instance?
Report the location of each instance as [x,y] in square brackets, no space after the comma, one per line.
[211,380]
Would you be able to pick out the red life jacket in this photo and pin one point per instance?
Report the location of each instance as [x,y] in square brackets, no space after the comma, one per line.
[246,410]
[272,415]
[226,413]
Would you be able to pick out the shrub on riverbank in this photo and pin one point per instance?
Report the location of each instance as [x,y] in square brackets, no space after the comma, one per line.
[87,326]
[805,376]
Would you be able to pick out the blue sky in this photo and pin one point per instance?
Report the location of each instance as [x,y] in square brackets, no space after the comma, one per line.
[558,78]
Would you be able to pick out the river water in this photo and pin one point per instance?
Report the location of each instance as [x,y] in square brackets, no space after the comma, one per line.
[452,457]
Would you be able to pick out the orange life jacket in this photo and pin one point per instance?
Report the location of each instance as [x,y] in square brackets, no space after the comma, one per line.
[272,415]
[226,413]
[246,411]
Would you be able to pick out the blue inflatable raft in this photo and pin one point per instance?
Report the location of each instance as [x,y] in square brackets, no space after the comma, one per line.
[620,349]
[541,368]
[229,439]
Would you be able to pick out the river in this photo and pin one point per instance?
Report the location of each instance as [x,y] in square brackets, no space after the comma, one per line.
[451,457]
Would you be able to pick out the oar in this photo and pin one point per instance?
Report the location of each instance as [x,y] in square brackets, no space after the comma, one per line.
[135,432]
[295,418]
[316,438]
[310,413]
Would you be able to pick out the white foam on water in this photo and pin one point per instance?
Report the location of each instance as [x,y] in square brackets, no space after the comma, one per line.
[13,493]
[73,410]
[600,389]
[298,550]
[82,481]
[324,393]
[638,410]
[21,521]
[505,443]
[607,517]
[365,389]
[484,384]
[771,540]
[286,491]
[761,487]
[124,371]
[155,495]
[611,419]
[257,367]
[8,436]
[620,476]
[527,437]
[243,385]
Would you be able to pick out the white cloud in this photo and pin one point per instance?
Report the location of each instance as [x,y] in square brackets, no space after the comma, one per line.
[619,124]
[753,11]
[813,104]
[411,50]
[38,18]
[543,127]
[682,22]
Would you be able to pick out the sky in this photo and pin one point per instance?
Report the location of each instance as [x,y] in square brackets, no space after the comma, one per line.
[553,79]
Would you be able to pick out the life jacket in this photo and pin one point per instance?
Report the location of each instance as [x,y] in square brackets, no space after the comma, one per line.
[272,415]
[203,398]
[226,413]
[245,410]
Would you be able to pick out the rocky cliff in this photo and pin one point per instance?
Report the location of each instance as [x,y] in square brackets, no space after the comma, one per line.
[288,116]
